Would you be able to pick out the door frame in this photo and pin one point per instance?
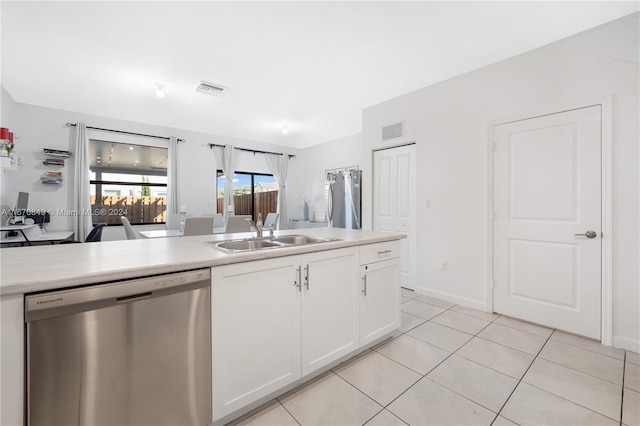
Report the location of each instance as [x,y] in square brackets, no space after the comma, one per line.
[606,313]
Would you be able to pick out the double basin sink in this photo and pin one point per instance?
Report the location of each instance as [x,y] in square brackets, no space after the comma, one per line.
[246,244]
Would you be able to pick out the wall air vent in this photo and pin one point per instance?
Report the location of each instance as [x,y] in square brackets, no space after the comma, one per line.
[393,131]
[210,89]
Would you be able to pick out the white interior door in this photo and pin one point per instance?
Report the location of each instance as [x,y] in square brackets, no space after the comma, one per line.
[547,196]
[394,192]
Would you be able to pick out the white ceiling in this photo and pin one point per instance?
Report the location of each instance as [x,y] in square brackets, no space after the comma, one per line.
[311,65]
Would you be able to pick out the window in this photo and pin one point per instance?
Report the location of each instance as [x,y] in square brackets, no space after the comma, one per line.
[253,193]
[128,180]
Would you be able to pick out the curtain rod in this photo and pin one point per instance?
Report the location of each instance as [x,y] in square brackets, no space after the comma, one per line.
[123,132]
[255,151]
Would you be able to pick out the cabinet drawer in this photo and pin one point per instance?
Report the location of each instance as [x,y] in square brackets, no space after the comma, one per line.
[380,251]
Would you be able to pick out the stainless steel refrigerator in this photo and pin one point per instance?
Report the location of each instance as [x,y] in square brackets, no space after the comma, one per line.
[344,195]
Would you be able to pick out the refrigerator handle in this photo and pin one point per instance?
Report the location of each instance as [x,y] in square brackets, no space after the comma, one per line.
[330,207]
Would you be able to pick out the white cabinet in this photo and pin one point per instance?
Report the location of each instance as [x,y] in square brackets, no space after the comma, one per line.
[8,163]
[329,306]
[274,321]
[380,290]
[255,314]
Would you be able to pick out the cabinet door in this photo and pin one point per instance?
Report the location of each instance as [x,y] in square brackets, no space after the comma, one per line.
[255,331]
[329,306]
[379,299]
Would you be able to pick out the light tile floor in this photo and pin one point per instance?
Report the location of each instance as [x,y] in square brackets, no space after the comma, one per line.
[451,365]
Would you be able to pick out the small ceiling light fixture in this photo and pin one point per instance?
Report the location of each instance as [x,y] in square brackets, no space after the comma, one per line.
[130,148]
[160,91]
[285,129]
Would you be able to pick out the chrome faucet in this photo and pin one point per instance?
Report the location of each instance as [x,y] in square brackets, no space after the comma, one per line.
[257,227]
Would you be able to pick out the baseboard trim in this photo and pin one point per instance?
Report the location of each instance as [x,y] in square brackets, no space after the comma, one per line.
[451,298]
[626,343]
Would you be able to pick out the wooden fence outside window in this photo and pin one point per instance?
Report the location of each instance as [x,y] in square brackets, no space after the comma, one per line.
[265,202]
[154,209]
[136,209]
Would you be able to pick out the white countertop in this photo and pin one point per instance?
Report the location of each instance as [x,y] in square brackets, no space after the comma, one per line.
[38,268]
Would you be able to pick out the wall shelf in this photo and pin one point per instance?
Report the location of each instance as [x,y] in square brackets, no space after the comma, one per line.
[51,178]
[57,153]
[53,162]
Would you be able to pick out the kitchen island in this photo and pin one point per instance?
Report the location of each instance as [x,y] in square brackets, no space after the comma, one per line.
[336,299]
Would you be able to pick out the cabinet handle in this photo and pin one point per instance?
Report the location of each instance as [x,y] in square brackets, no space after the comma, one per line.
[306,276]
[299,283]
[384,252]
[364,279]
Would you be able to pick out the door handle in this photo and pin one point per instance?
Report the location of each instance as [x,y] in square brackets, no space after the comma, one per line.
[588,234]
[364,280]
[299,283]
[306,276]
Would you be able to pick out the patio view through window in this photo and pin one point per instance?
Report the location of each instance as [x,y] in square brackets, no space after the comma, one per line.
[128,180]
[253,193]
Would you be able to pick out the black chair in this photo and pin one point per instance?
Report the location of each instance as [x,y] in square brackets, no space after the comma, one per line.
[96,233]
[94,236]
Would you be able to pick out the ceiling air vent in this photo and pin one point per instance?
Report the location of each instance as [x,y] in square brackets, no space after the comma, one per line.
[393,131]
[210,89]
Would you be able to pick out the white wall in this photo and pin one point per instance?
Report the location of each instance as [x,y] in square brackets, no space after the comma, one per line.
[306,172]
[40,127]
[450,123]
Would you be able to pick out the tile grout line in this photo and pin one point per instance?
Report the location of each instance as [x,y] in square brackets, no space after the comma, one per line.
[586,349]
[363,393]
[477,334]
[624,368]
[378,413]
[423,376]
[524,331]
[570,401]
[582,372]
[425,320]
[285,409]
[523,374]
[548,360]
[536,356]
[440,363]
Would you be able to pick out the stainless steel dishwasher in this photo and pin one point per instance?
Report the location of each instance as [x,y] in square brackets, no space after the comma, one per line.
[134,352]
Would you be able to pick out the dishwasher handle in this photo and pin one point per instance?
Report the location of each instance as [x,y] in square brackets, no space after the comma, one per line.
[64,302]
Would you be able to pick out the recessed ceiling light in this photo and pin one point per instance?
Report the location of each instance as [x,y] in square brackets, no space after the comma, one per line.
[130,148]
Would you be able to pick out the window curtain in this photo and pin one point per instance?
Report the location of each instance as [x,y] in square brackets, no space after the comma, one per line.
[173,205]
[226,161]
[82,222]
[278,165]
